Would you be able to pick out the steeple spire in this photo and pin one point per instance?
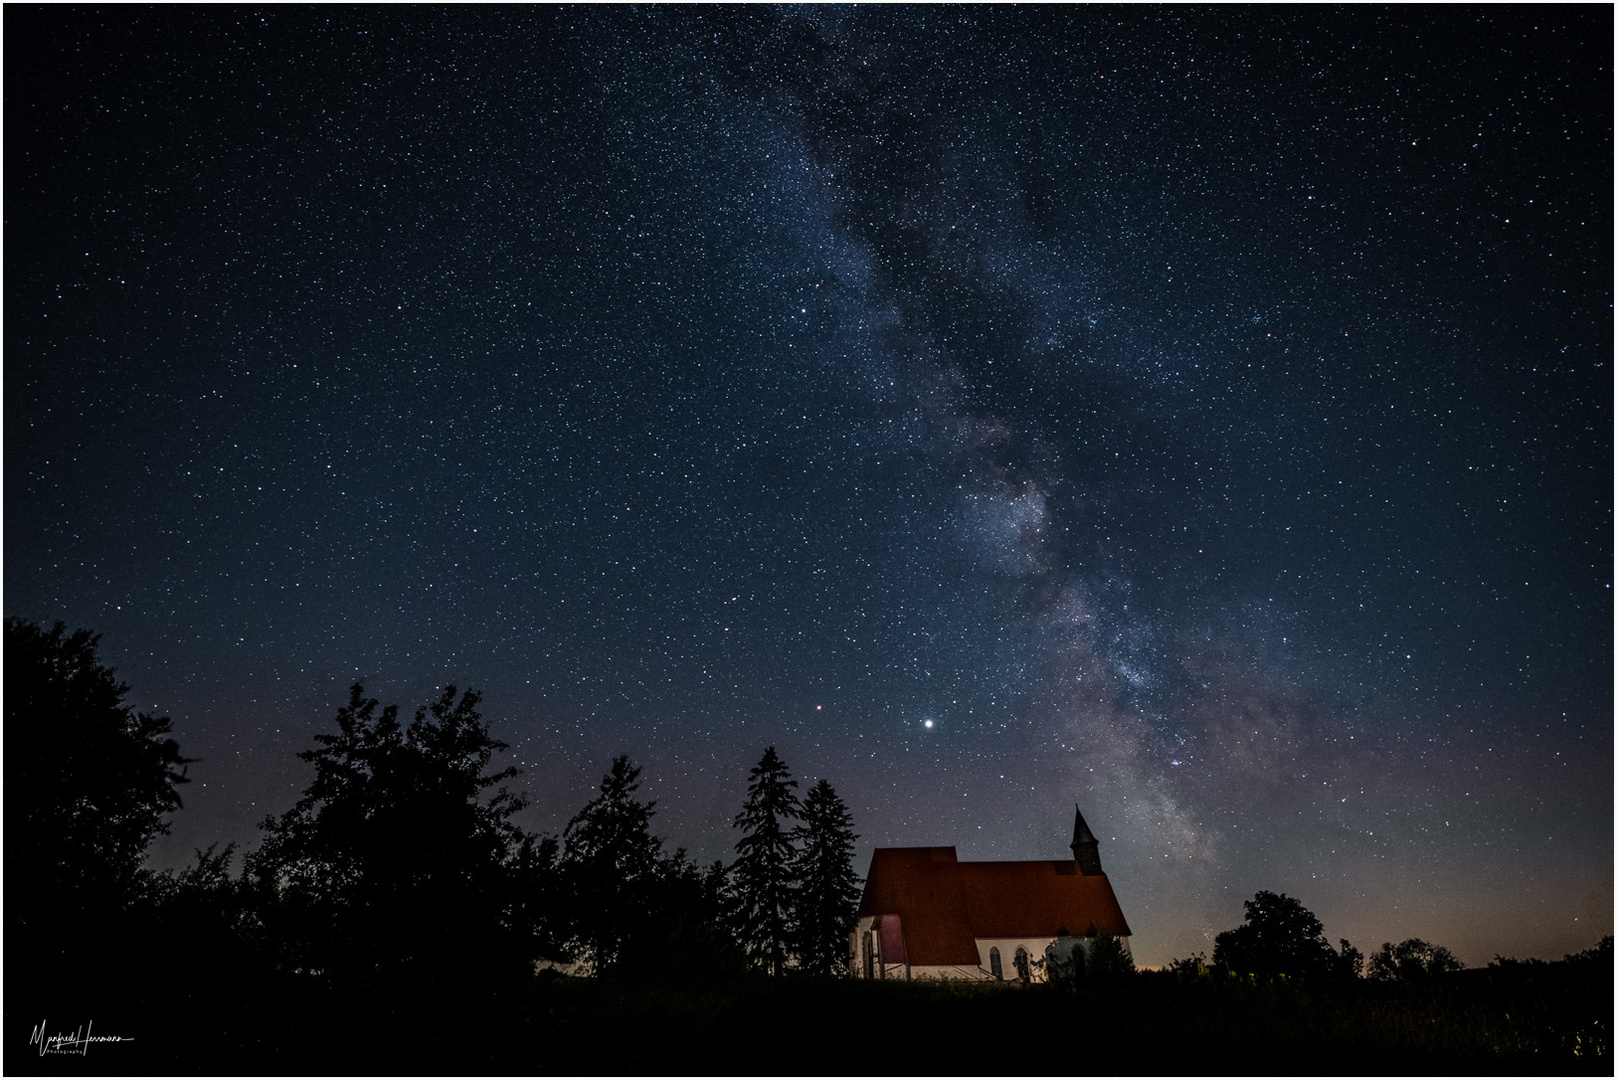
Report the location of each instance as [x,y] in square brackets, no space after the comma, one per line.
[1085,848]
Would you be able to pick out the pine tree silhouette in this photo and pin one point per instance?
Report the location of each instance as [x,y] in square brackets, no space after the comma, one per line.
[828,888]
[764,874]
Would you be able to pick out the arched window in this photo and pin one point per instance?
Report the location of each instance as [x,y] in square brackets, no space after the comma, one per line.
[994,964]
[1022,971]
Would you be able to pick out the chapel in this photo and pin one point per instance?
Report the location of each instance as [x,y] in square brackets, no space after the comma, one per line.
[926,914]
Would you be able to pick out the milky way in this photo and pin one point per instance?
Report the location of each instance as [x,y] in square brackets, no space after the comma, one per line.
[1201,416]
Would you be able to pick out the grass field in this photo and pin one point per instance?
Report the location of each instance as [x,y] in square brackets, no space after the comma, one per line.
[1539,1019]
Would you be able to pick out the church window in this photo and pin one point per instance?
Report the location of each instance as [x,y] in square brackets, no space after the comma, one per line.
[1022,971]
[994,964]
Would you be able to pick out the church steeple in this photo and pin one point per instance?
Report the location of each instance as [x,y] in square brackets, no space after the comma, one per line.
[1085,848]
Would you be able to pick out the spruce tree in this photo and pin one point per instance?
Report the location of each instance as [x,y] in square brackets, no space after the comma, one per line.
[828,888]
[764,872]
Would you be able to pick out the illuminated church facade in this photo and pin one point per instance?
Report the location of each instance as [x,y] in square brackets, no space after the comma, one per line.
[927,915]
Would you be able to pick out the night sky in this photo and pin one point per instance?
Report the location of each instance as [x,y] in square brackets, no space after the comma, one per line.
[1203,416]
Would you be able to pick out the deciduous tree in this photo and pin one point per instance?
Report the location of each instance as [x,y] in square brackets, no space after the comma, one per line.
[1412,961]
[401,852]
[213,913]
[88,783]
[1280,937]
[610,866]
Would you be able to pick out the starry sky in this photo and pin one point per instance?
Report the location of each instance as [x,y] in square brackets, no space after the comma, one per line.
[1203,416]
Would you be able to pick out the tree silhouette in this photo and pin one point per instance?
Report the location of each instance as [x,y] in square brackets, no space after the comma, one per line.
[828,888]
[1412,961]
[610,867]
[1280,937]
[675,934]
[631,911]
[1350,961]
[1108,959]
[214,913]
[398,855]
[537,904]
[763,874]
[88,781]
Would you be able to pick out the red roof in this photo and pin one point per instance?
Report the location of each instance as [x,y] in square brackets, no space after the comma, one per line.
[944,905]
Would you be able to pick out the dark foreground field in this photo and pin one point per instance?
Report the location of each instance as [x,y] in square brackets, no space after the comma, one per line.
[1545,1020]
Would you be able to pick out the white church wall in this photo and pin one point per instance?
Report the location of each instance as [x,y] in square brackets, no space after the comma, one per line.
[1007,957]
[963,974]
[868,962]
